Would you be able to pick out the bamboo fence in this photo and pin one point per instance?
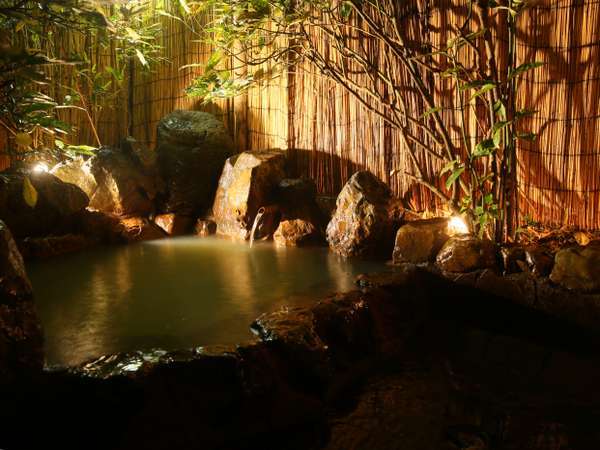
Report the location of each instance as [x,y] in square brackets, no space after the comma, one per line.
[329,136]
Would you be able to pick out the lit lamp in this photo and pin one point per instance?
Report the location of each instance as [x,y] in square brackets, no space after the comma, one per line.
[40,167]
[457,226]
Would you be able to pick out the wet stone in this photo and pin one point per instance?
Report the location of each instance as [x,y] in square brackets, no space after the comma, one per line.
[365,220]
[205,228]
[578,268]
[466,254]
[420,241]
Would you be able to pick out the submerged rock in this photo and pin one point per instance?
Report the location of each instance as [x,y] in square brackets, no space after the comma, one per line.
[136,229]
[420,241]
[249,181]
[21,340]
[174,224]
[50,246]
[578,268]
[364,222]
[104,227]
[296,232]
[465,254]
[192,147]
[57,205]
[205,228]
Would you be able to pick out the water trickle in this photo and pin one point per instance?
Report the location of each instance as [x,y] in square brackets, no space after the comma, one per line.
[257,219]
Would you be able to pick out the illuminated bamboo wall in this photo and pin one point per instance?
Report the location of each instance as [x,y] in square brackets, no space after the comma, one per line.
[329,135]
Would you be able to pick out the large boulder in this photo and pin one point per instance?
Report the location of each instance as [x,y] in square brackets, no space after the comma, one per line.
[577,268]
[249,182]
[365,220]
[77,171]
[192,147]
[465,253]
[57,204]
[21,340]
[420,241]
[123,185]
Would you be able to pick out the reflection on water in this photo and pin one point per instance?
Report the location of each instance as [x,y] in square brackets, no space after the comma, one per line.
[175,293]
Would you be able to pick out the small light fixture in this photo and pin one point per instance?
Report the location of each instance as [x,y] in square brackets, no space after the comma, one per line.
[40,168]
[456,226]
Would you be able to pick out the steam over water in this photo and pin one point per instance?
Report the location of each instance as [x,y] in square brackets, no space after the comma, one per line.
[175,293]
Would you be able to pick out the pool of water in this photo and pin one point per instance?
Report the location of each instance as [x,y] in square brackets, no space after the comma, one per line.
[175,293]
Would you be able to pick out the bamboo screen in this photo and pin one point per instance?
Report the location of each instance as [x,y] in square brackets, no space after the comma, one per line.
[558,175]
[329,135]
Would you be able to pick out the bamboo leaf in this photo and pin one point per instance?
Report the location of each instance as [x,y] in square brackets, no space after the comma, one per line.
[484,148]
[454,176]
[524,68]
[430,111]
[485,88]
[141,57]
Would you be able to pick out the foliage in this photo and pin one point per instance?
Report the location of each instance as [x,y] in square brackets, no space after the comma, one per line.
[28,60]
[257,40]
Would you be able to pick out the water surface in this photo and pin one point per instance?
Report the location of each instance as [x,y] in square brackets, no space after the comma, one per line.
[175,293]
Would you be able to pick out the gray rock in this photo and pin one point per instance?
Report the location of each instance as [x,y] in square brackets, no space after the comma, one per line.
[466,254]
[249,181]
[364,223]
[420,241]
[192,147]
[577,268]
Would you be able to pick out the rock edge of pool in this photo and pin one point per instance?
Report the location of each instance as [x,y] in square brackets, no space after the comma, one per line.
[470,376]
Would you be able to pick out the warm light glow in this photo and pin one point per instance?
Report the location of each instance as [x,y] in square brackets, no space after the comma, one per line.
[40,168]
[456,225]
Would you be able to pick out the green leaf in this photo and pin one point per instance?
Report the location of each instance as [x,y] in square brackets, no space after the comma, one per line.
[454,176]
[345,10]
[524,68]
[141,57]
[30,195]
[484,148]
[525,113]
[430,111]
[185,6]
[449,167]
[527,136]
[500,110]
[497,131]
[485,88]
[474,84]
